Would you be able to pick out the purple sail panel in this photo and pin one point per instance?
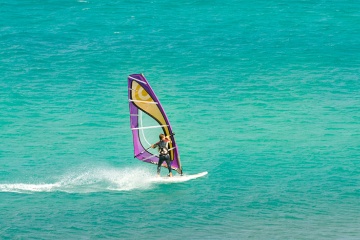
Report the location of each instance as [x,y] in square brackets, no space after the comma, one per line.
[147,121]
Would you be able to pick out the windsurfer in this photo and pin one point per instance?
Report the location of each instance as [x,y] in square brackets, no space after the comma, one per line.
[163,153]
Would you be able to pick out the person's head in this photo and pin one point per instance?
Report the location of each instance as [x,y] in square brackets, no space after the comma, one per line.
[161,136]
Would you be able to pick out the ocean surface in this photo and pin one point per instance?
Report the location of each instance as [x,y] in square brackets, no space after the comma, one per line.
[264,95]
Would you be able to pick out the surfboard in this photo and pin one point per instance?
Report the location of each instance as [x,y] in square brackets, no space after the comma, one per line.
[178,178]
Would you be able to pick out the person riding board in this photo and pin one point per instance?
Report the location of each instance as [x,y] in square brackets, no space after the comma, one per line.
[163,153]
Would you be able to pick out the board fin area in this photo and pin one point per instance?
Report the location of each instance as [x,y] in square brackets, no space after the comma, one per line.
[178,178]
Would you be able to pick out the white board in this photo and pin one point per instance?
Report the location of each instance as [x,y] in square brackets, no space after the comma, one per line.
[178,178]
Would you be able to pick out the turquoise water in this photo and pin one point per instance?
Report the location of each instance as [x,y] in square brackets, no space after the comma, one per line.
[263,95]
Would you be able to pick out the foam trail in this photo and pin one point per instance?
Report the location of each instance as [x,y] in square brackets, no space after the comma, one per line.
[25,187]
[89,180]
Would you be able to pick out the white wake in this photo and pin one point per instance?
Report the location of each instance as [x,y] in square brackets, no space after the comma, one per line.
[88,180]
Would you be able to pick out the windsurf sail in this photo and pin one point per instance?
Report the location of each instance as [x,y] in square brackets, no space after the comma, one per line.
[147,121]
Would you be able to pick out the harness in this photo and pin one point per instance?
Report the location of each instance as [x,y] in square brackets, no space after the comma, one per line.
[163,150]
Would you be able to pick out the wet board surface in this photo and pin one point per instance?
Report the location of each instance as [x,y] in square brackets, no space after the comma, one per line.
[183,178]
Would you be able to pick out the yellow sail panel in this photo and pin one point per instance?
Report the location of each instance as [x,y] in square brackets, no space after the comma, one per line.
[144,101]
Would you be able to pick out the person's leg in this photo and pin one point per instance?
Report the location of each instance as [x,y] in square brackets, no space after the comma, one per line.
[168,163]
[161,160]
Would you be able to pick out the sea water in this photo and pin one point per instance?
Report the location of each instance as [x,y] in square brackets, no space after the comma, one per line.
[264,95]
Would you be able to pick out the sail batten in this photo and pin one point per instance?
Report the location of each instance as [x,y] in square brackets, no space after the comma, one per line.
[147,120]
[139,101]
[151,156]
[160,126]
[144,82]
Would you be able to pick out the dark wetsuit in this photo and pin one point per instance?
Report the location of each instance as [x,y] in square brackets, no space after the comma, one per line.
[163,154]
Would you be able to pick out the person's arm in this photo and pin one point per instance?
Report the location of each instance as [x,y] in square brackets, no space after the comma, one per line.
[154,145]
[168,139]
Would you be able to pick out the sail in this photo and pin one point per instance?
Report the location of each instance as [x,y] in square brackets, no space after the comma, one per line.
[147,121]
